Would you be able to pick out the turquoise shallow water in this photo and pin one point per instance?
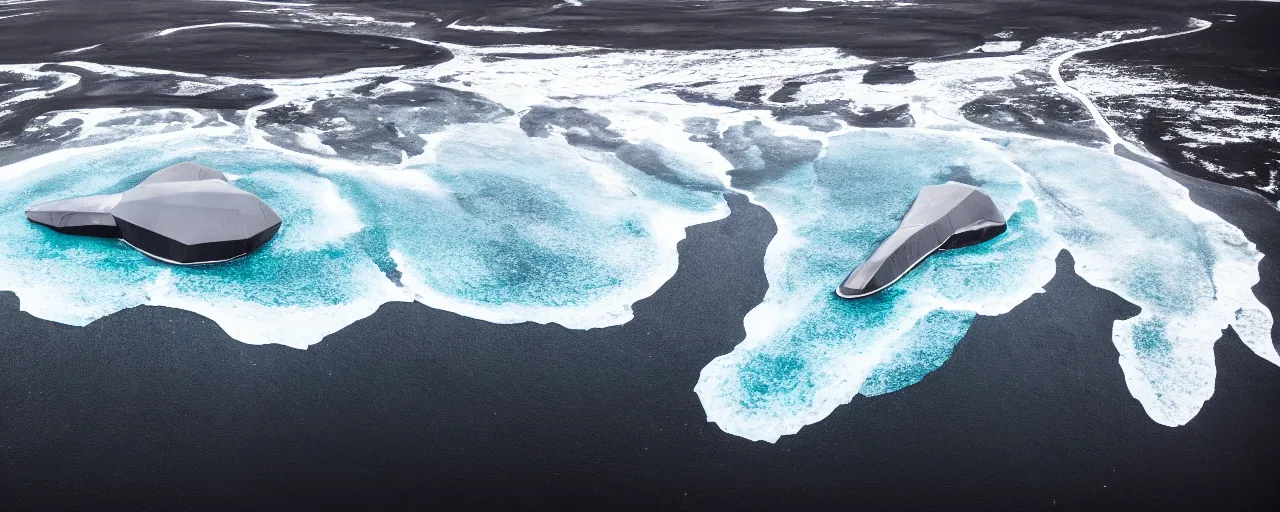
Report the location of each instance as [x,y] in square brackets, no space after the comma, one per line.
[1137,233]
[808,350]
[507,228]
[503,235]
[1130,230]
[530,226]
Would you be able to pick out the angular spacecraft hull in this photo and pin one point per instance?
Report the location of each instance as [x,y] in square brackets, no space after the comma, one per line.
[186,214]
[942,217]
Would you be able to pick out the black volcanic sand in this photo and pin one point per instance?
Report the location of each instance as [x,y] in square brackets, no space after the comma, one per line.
[1238,53]
[126,32]
[96,90]
[414,408]
[928,28]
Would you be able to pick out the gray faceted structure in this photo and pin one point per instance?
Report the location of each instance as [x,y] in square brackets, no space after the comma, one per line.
[942,217]
[186,214]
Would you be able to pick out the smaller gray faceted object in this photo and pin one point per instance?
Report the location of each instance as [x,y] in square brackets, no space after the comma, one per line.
[186,214]
[942,217]
[87,216]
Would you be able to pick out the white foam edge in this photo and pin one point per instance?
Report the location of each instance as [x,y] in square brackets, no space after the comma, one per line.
[399,174]
[78,50]
[852,368]
[265,2]
[335,218]
[491,28]
[1055,72]
[235,24]
[668,226]
[764,321]
[1233,305]
[66,80]
[292,326]
[33,13]
[22,167]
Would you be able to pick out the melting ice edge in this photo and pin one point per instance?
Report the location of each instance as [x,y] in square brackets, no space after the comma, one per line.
[556,189]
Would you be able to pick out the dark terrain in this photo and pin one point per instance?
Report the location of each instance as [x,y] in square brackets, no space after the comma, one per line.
[415,408]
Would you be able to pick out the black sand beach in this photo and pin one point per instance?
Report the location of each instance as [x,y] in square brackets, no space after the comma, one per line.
[926,28]
[155,408]
[415,408]
[1233,59]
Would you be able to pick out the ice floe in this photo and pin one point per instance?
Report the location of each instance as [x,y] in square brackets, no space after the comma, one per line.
[808,351]
[1137,233]
[552,184]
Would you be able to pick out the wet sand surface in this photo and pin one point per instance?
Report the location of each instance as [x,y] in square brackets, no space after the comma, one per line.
[1225,64]
[922,29]
[157,408]
[411,408]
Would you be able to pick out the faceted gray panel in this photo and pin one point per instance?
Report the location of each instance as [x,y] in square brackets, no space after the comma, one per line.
[185,214]
[195,212]
[89,215]
[942,217]
[185,171]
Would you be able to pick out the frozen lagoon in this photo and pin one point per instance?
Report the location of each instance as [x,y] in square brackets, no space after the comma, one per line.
[479,217]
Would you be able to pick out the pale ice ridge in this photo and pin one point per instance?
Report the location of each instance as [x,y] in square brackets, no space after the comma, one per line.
[998,47]
[1055,70]
[5,17]
[332,17]
[491,28]
[235,24]
[78,50]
